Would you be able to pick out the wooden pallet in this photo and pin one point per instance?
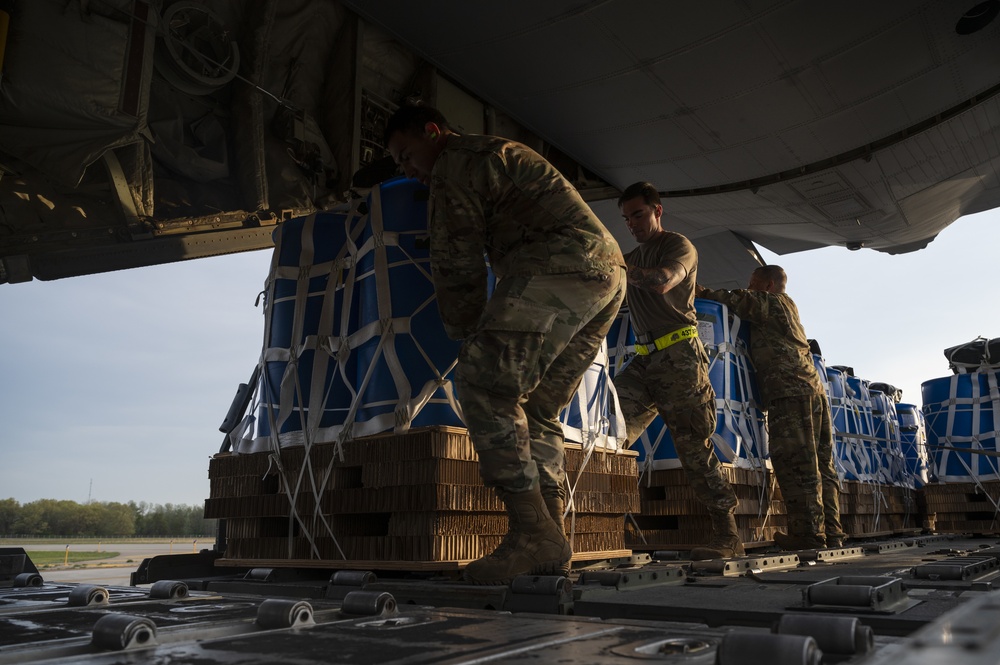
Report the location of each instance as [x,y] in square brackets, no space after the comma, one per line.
[962,507]
[415,566]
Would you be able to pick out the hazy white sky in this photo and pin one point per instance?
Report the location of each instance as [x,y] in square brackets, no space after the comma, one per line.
[122,379]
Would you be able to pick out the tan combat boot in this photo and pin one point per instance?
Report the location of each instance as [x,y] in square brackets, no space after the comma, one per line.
[791,542]
[556,506]
[835,542]
[725,543]
[534,545]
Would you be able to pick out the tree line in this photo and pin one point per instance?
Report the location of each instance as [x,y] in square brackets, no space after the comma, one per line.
[49,517]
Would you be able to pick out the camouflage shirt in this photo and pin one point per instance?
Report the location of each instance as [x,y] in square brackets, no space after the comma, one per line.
[778,345]
[498,198]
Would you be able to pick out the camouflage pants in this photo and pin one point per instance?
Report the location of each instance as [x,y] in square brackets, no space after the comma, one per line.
[516,373]
[674,383]
[794,426]
[828,475]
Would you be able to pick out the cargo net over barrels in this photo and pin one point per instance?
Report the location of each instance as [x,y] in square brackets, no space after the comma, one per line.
[354,347]
[962,412]
[353,342]
[962,415]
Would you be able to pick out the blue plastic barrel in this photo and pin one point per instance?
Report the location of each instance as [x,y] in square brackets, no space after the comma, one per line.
[847,448]
[401,344]
[960,415]
[913,441]
[305,305]
[887,451]
[354,329]
[589,418]
[620,342]
[860,424]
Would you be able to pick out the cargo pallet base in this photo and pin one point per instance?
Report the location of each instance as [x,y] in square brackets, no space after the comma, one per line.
[411,500]
[580,559]
[672,518]
[962,507]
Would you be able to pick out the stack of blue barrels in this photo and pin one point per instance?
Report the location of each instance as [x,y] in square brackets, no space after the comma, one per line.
[353,343]
[913,439]
[962,412]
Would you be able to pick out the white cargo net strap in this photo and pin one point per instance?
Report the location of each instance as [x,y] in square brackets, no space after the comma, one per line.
[744,418]
[339,345]
[841,462]
[892,468]
[290,390]
[335,347]
[983,461]
[596,428]
[852,445]
[739,413]
[858,448]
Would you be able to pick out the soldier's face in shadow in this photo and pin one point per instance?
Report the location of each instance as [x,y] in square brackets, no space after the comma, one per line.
[642,219]
[416,153]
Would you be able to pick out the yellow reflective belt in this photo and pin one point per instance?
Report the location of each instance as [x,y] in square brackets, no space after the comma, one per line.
[669,339]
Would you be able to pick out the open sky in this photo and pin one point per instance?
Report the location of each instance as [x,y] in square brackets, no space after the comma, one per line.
[114,385]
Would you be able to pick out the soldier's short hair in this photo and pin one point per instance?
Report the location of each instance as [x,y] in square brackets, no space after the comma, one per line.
[411,118]
[649,195]
[773,273]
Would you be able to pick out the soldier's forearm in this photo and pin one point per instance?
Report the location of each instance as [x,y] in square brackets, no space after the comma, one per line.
[657,280]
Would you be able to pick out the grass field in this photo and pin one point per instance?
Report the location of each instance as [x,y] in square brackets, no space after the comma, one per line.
[43,558]
[25,541]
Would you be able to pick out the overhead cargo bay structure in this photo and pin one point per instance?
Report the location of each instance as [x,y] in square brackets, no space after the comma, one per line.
[198,126]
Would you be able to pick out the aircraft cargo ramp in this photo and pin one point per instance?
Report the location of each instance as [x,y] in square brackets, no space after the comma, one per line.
[927,599]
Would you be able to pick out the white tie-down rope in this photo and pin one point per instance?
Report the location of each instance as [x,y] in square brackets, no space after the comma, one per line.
[742,421]
[321,386]
[623,355]
[978,454]
[844,443]
[309,413]
[721,350]
[838,463]
[595,426]
[751,428]
[291,389]
[982,463]
[866,450]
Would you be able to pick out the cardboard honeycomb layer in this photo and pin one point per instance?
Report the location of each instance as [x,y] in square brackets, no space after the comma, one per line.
[410,497]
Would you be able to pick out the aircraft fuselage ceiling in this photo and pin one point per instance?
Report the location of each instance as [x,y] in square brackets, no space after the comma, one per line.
[136,132]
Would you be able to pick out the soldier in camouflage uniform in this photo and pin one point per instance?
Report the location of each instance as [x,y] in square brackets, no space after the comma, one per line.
[669,375]
[561,280]
[800,435]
